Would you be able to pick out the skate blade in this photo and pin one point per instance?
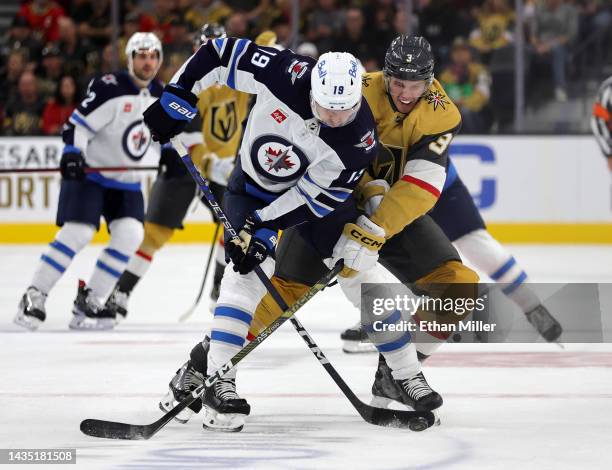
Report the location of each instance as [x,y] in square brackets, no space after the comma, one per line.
[168,403]
[83,322]
[30,323]
[225,422]
[357,347]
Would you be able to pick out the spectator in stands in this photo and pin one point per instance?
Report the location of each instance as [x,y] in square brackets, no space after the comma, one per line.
[405,24]
[43,16]
[554,26]
[72,49]
[237,25]
[495,20]
[207,11]
[50,70]
[468,83]
[19,36]
[324,23]
[438,23]
[351,38]
[60,107]
[160,19]
[22,115]
[9,75]
[96,28]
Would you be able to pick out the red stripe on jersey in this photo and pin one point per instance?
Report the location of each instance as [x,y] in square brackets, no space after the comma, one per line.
[422,184]
[142,254]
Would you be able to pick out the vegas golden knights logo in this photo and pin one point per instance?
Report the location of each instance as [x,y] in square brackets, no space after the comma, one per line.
[389,164]
[224,121]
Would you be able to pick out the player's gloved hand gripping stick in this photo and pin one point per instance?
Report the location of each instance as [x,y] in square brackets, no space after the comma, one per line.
[414,420]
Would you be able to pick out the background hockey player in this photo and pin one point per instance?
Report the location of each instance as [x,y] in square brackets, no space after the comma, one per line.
[212,139]
[601,121]
[414,248]
[308,140]
[106,129]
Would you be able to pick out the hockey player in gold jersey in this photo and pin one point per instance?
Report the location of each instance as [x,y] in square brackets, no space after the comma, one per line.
[416,122]
[221,112]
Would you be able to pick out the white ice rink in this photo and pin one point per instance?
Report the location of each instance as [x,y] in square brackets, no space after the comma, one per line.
[506,406]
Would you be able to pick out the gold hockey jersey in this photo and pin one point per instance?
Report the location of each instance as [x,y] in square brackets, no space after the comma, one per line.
[413,154]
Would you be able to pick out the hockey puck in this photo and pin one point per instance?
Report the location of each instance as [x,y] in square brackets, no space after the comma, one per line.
[418,424]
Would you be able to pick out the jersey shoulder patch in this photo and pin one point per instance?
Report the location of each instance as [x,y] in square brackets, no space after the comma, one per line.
[436,112]
[106,87]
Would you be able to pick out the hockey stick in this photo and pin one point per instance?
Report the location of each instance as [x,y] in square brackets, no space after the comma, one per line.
[211,253]
[415,420]
[372,415]
[114,430]
[87,169]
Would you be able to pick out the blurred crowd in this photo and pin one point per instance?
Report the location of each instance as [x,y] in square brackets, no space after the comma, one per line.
[53,48]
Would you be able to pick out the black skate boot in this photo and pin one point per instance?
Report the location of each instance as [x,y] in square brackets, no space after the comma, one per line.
[355,340]
[88,312]
[116,304]
[187,378]
[31,310]
[545,323]
[224,410]
[414,391]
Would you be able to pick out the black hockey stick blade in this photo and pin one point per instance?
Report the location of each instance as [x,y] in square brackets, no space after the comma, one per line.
[115,430]
[413,420]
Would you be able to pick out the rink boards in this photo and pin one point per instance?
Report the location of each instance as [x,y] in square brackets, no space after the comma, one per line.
[531,189]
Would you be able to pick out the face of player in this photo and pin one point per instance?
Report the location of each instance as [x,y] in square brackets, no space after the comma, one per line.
[145,64]
[405,93]
[334,118]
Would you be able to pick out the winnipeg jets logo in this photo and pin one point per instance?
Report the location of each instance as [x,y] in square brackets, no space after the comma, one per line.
[297,69]
[136,140]
[435,98]
[278,160]
[368,141]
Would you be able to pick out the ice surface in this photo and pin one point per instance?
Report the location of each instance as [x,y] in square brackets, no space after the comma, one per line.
[506,406]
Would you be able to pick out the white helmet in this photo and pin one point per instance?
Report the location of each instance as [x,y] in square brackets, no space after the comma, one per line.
[142,42]
[336,84]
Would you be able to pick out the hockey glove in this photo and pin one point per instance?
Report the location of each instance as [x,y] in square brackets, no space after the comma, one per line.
[358,246]
[372,194]
[168,116]
[217,169]
[253,249]
[170,164]
[72,165]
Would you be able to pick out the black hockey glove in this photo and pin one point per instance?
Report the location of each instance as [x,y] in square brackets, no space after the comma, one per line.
[170,163]
[72,165]
[168,116]
[254,248]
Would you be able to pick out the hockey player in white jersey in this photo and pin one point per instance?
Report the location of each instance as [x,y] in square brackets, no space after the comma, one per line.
[601,120]
[106,130]
[308,140]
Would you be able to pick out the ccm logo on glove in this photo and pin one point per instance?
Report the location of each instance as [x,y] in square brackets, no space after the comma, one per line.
[364,239]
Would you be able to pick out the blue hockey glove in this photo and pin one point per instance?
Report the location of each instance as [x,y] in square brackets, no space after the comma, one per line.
[168,116]
[72,164]
[253,249]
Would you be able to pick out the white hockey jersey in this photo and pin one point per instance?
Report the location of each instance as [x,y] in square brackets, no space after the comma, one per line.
[601,120]
[304,170]
[108,129]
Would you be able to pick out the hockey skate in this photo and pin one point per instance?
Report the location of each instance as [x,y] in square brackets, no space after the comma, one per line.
[413,392]
[545,323]
[186,379]
[355,340]
[116,305]
[88,312]
[224,410]
[31,310]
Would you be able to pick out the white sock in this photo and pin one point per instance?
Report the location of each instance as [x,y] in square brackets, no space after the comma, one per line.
[69,240]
